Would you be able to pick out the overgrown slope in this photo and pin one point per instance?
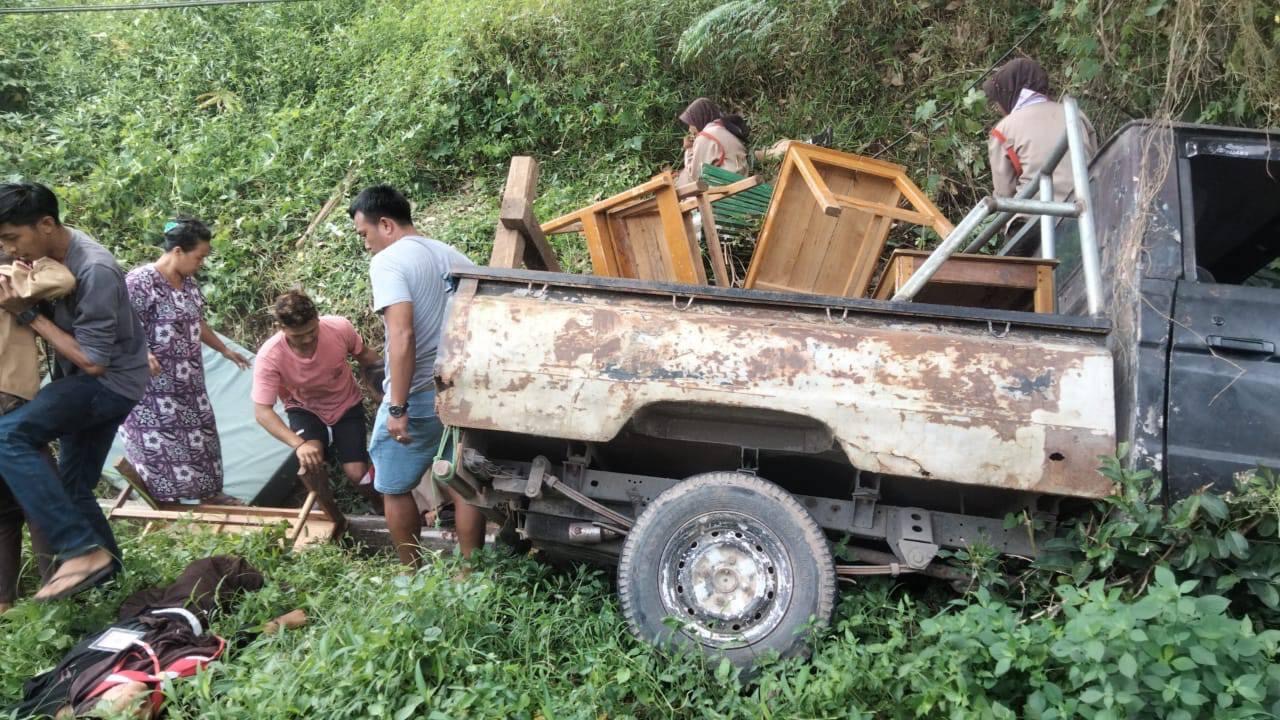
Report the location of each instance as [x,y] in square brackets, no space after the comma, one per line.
[252,117]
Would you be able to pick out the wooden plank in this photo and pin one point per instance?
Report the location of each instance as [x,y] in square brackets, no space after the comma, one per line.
[890,211]
[718,266]
[522,181]
[976,272]
[817,186]
[552,226]
[720,192]
[1045,299]
[923,204]
[650,204]
[775,287]
[638,246]
[537,252]
[853,244]
[683,258]
[521,189]
[574,227]
[860,272]
[599,245]
[861,163]
[519,238]
[130,513]
[773,223]
[508,248]
[559,225]
[120,499]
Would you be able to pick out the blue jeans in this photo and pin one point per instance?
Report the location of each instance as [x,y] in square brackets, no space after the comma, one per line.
[82,415]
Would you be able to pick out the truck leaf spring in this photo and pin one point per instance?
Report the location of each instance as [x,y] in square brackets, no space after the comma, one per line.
[622,521]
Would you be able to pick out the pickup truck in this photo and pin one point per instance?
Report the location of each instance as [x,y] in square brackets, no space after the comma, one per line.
[717,444]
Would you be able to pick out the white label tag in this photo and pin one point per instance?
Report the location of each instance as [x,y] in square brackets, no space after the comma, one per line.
[115,640]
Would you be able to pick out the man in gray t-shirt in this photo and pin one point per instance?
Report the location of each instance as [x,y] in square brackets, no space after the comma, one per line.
[101,374]
[410,291]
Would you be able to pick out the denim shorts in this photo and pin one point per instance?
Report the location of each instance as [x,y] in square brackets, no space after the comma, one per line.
[399,467]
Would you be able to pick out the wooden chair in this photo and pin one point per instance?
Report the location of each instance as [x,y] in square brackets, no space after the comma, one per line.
[647,233]
[828,221]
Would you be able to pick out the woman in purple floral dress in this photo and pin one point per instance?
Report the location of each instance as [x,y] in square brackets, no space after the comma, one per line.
[171,437]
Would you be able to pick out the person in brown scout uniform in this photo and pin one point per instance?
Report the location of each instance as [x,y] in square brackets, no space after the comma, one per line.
[1031,125]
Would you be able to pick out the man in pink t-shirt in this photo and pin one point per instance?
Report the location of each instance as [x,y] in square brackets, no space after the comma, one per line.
[305,366]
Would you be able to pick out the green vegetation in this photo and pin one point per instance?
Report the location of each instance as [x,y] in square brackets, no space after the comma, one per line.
[254,117]
[519,640]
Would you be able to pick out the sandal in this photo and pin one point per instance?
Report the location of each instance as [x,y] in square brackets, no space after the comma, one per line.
[88,579]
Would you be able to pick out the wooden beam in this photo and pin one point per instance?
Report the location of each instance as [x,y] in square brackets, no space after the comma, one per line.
[682,251]
[766,233]
[574,227]
[649,204]
[871,166]
[718,192]
[888,211]
[599,244]
[553,226]
[821,193]
[538,253]
[718,267]
[519,238]
[923,204]
[522,187]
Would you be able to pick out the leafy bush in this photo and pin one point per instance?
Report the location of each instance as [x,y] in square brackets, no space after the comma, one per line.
[1167,654]
[1227,543]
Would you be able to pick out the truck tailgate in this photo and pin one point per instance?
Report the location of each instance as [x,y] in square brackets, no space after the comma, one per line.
[990,398]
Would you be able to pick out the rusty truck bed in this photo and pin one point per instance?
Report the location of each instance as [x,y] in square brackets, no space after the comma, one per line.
[1008,400]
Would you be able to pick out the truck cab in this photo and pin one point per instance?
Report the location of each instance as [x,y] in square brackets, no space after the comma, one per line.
[1188,221]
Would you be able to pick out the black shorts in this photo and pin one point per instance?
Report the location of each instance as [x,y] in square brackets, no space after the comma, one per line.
[345,441]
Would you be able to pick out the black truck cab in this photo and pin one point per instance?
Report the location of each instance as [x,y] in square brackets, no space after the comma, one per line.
[1188,222]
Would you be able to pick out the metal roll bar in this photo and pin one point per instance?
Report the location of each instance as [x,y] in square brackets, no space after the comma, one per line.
[1071,144]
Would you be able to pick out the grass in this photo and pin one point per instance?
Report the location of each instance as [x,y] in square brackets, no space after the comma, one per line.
[515,640]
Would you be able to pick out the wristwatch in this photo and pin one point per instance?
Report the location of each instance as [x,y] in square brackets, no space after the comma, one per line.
[398,411]
[26,317]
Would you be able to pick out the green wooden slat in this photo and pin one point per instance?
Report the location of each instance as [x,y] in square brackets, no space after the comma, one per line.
[743,210]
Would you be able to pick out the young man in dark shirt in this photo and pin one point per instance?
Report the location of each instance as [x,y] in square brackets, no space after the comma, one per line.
[101,373]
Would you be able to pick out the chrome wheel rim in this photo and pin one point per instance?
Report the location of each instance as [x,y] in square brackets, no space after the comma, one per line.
[727,577]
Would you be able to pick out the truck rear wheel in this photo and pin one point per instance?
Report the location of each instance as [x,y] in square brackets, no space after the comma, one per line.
[736,560]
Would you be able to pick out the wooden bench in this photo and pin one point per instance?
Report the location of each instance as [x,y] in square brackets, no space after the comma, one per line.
[984,281]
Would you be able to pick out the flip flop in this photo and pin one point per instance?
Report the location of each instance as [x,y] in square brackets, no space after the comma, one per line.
[88,580]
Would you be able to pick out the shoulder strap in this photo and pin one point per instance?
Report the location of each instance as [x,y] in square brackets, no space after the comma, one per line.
[1008,151]
[718,162]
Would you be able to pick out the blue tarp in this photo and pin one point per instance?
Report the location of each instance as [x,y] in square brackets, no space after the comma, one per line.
[250,455]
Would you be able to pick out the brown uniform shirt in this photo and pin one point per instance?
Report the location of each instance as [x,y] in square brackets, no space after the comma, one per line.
[47,279]
[1021,143]
[715,145]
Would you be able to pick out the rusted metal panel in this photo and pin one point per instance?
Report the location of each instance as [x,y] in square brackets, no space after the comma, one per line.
[1027,410]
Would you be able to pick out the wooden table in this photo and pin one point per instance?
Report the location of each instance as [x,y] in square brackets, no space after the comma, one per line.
[985,281]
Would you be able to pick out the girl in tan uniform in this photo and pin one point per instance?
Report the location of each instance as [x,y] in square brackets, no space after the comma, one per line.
[714,138]
[1026,135]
